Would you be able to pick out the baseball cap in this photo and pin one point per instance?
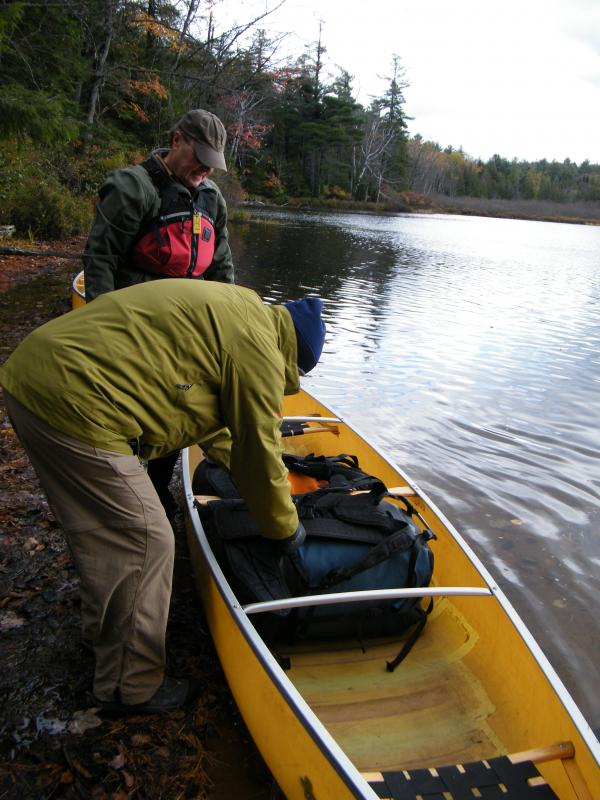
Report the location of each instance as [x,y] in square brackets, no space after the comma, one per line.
[207,134]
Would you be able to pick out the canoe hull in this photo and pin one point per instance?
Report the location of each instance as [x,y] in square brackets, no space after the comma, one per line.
[313,739]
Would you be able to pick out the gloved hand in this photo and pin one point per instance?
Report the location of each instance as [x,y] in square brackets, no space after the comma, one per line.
[287,546]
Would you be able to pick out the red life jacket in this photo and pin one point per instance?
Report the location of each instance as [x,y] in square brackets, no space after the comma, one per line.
[180,241]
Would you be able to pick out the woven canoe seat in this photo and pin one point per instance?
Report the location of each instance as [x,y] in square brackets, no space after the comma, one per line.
[493,779]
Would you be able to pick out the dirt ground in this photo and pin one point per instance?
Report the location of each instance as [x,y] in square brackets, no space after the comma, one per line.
[53,742]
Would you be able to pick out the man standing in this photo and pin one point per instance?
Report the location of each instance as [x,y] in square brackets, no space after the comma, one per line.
[142,372]
[163,218]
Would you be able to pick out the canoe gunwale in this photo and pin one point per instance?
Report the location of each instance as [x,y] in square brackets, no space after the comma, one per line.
[332,420]
[318,733]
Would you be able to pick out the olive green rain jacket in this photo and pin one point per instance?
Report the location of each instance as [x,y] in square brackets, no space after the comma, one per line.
[166,364]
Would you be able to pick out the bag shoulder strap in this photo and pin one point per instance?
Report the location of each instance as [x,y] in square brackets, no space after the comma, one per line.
[386,548]
[357,509]
[173,195]
[409,643]
[157,174]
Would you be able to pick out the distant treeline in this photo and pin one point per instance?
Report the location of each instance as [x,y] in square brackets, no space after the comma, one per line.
[433,170]
[89,86]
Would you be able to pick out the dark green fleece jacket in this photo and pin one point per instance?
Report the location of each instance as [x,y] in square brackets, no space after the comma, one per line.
[128,201]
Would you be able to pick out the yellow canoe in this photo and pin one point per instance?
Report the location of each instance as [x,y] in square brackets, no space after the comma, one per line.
[78,291]
[476,704]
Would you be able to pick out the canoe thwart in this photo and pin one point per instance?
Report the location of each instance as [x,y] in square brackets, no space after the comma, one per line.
[540,754]
[362,596]
[397,491]
[301,426]
[304,430]
[205,499]
[401,491]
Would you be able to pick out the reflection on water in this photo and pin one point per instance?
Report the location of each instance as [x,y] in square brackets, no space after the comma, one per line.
[474,346]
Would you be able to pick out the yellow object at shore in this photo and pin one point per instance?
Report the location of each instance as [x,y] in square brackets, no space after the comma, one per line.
[78,291]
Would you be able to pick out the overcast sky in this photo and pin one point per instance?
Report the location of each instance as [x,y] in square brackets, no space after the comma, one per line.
[520,78]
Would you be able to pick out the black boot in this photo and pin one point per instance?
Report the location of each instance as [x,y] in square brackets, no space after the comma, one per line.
[173,693]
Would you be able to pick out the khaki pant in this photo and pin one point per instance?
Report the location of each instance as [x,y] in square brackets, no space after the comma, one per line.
[122,546]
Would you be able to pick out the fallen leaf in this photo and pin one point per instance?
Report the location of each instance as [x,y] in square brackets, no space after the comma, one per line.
[139,739]
[83,720]
[9,620]
[517,521]
[128,780]
[49,725]
[118,761]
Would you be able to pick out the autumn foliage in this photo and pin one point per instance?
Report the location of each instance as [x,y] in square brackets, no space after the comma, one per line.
[107,80]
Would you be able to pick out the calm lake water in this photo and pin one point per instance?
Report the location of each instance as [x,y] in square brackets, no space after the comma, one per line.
[469,350]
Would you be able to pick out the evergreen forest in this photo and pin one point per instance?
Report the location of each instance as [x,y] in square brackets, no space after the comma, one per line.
[87,86]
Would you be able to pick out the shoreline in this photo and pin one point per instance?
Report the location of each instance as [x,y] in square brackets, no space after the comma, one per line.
[477,207]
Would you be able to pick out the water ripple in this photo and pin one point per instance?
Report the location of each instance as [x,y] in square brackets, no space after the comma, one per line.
[469,348]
